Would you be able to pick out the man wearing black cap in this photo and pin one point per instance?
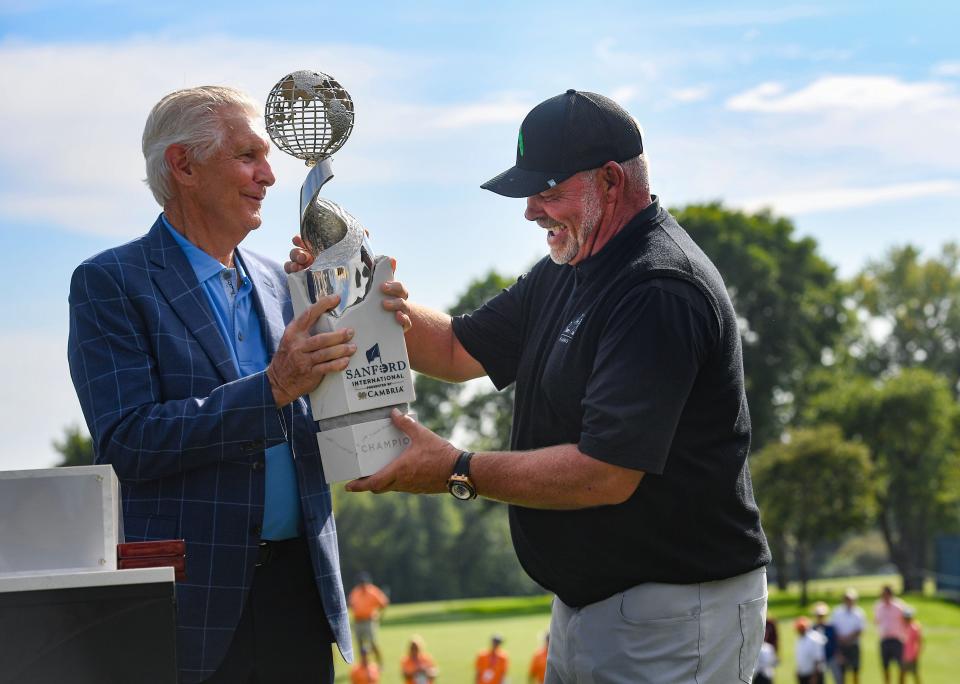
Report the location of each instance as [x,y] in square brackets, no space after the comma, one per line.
[628,482]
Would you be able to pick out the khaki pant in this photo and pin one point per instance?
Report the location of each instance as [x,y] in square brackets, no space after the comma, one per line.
[708,633]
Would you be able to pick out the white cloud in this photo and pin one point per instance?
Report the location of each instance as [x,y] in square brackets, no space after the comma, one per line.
[692,94]
[947,69]
[623,94]
[845,131]
[863,93]
[821,199]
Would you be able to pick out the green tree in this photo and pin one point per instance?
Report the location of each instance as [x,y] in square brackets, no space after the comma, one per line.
[76,448]
[909,422]
[912,307]
[788,300]
[812,487]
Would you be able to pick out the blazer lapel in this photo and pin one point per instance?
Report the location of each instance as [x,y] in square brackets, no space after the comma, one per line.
[268,301]
[176,280]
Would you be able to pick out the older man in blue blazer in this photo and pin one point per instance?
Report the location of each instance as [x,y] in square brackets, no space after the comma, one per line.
[191,371]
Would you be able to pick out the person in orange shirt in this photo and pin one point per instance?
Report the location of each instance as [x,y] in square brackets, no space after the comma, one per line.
[417,666]
[364,672]
[367,603]
[538,664]
[492,665]
[911,647]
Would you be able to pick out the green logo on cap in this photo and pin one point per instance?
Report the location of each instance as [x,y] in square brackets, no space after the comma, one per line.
[520,144]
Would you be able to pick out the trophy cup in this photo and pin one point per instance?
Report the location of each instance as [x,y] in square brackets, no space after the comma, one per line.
[309,115]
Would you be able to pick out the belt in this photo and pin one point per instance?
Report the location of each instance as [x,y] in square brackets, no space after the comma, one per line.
[270,550]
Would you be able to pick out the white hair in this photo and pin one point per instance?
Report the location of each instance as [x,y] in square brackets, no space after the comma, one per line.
[192,117]
[637,171]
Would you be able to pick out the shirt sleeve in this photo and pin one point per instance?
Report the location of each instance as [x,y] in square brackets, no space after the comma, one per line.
[493,334]
[142,434]
[647,360]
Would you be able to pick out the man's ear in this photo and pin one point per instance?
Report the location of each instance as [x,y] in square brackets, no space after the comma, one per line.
[612,179]
[181,164]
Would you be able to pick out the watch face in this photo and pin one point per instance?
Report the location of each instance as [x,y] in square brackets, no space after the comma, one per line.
[461,490]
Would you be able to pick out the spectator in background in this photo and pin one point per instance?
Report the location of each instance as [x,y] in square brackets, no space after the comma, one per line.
[888,615]
[491,665]
[538,664]
[810,652]
[418,666]
[770,633]
[367,603]
[364,672]
[912,644]
[848,620]
[766,664]
[829,632]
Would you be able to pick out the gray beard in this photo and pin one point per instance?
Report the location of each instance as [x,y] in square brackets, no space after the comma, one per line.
[591,210]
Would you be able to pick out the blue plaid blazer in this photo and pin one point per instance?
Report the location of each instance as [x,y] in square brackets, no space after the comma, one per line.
[186,436]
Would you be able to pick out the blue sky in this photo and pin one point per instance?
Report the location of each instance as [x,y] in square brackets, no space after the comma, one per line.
[844,116]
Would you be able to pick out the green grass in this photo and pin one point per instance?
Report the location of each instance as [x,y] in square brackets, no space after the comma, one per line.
[455,631]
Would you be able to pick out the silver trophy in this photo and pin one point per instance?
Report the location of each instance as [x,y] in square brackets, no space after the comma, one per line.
[309,115]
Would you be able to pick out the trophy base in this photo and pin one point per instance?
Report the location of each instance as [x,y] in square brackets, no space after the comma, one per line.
[361,449]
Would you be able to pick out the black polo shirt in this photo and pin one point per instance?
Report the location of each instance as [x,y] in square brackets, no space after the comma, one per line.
[633,355]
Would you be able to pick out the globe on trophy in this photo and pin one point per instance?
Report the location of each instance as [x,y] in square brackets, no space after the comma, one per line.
[309,115]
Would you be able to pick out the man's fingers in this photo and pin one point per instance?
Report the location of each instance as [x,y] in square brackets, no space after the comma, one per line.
[404,321]
[405,423]
[333,353]
[327,339]
[327,367]
[394,288]
[316,310]
[379,482]
[300,256]
[360,485]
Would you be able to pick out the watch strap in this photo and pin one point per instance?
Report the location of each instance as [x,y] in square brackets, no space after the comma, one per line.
[462,465]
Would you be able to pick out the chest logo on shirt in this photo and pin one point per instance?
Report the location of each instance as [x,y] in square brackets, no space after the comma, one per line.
[571,329]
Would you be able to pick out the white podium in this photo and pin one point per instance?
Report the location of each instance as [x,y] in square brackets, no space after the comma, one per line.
[66,613]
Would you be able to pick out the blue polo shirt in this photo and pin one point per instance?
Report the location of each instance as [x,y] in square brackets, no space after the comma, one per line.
[230,295]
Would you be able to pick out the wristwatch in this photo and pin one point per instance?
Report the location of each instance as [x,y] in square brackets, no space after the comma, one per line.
[459,483]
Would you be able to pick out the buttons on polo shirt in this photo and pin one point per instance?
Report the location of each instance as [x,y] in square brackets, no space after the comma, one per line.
[240,336]
[257,465]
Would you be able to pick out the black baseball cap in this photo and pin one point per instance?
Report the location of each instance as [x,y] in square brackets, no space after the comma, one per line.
[569,133]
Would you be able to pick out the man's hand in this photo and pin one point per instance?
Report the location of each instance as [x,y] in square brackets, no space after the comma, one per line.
[300,256]
[423,467]
[396,293]
[396,300]
[302,359]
